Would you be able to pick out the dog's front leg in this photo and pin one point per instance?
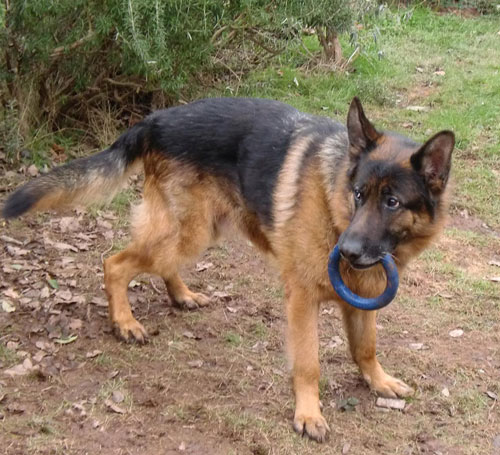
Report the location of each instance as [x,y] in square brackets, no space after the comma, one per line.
[303,345]
[362,333]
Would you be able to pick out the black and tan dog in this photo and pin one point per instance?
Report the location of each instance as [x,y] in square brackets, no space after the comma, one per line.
[294,184]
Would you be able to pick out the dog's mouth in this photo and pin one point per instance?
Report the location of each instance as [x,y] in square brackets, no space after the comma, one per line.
[362,264]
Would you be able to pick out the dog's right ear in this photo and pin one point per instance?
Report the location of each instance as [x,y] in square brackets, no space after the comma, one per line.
[362,134]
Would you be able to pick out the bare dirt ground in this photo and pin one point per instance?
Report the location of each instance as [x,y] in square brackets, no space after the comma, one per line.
[215,381]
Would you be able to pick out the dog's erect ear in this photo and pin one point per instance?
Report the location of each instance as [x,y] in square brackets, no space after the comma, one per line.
[362,134]
[433,161]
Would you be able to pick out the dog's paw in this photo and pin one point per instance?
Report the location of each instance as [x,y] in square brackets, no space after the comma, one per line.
[390,387]
[315,426]
[130,331]
[191,301]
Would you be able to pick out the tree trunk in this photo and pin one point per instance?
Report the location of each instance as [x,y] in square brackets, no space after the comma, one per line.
[329,40]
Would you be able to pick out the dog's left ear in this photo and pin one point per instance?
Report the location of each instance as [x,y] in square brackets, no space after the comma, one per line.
[433,161]
[362,134]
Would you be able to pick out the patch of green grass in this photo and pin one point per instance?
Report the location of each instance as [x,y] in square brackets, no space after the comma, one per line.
[275,292]
[232,338]
[260,330]
[41,141]
[243,282]
[8,357]
[432,255]
[434,301]
[104,360]
[121,203]
[471,403]
[46,443]
[468,238]
[42,424]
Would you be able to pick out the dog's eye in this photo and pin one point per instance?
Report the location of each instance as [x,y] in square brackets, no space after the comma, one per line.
[357,194]
[392,202]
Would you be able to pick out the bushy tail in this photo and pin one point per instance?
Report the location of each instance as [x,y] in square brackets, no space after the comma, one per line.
[83,181]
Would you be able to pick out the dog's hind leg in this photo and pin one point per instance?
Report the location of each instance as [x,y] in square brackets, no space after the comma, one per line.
[119,270]
[182,296]
[159,254]
[361,330]
[177,222]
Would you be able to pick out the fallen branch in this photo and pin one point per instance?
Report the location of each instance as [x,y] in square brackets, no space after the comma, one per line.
[59,51]
[123,83]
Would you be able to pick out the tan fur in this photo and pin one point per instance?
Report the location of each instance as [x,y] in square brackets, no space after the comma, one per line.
[285,196]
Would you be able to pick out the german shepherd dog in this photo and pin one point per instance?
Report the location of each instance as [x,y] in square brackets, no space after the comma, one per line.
[295,185]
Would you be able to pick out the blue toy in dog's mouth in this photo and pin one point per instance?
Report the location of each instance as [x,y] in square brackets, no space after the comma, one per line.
[355,300]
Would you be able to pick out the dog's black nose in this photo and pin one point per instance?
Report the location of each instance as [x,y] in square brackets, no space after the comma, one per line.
[351,249]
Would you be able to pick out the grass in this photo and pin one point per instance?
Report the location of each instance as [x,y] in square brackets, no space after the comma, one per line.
[8,357]
[233,339]
[399,69]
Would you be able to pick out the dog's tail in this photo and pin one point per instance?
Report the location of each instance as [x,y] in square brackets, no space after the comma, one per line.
[82,181]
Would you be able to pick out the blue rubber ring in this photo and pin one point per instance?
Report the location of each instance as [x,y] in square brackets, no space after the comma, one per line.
[355,300]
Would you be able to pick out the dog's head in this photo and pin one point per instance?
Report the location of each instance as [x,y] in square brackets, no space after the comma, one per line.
[397,189]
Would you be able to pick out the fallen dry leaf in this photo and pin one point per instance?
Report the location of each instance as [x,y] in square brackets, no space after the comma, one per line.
[8,307]
[112,407]
[93,354]
[15,408]
[117,396]
[44,293]
[8,239]
[492,395]
[65,295]
[191,335]
[46,346]
[98,301]
[390,403]
[38,357]
[224,296]
[260,346]
[69,224]
[33,170]
[11,293]
[21,369]
[104,224]
[202,266]
[75,324]
[16,251]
